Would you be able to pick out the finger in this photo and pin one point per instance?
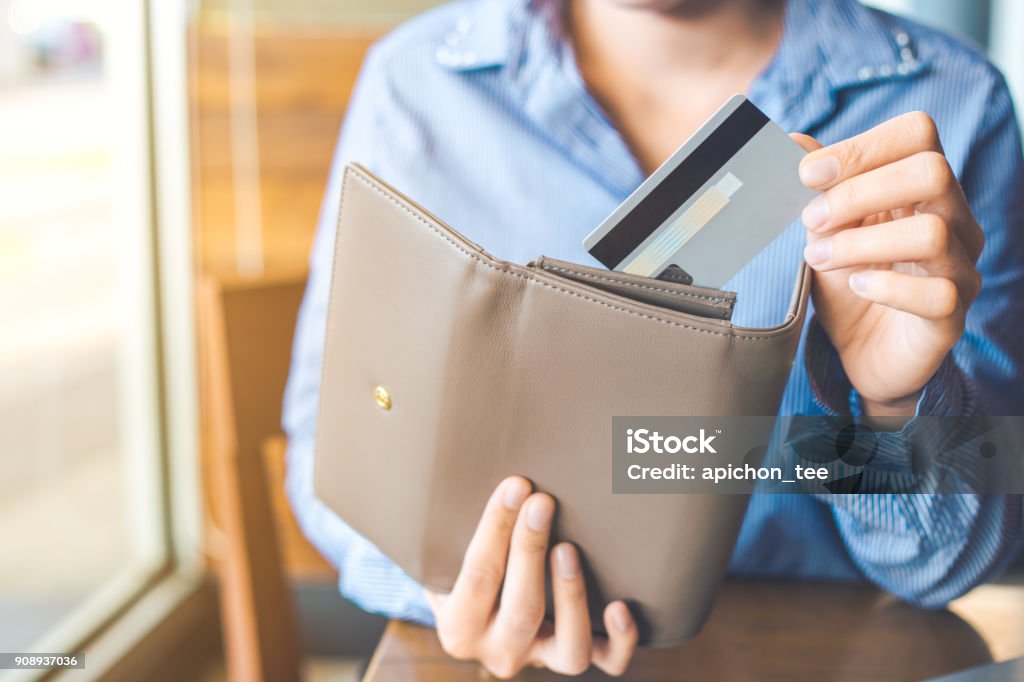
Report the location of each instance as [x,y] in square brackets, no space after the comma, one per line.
[568,651]
[924,180]
[886,143]
[808,143]
[932,298]
[469,607]
[924,238]
[612,655]
[521,609]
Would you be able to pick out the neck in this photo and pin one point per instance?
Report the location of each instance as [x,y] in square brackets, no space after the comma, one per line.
[675,41]
[659,72]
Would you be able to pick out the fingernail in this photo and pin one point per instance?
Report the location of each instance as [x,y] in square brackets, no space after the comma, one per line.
[859,282]
[539,513]
[621,617]
[819,171]
[818,252]
[567,562]
[515,492]
[816,213]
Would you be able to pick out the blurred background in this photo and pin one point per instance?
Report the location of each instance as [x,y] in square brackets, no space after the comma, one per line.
[156,159]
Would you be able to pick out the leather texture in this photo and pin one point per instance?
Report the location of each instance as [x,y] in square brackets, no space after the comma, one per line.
[495,369]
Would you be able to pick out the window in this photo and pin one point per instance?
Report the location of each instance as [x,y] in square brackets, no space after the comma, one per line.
[84,514]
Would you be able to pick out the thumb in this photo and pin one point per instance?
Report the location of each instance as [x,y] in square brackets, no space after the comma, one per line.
[435,600]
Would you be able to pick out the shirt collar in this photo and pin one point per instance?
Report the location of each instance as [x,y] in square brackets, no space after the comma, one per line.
[482,36]
[524,38]
[827,46]
[491,33]
[875,47]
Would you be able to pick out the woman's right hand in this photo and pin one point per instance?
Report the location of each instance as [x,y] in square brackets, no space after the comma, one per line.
[495,612]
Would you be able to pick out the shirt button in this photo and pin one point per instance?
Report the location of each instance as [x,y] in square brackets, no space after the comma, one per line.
[885,70]
[902,39]
[444,55]
[865,73]
[449,58]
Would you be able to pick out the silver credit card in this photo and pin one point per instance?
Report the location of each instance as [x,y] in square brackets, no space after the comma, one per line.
[716,203]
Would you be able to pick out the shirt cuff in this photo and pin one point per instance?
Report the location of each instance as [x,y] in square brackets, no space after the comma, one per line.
[949,393]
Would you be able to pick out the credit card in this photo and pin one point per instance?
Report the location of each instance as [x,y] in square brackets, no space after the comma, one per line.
[717,202]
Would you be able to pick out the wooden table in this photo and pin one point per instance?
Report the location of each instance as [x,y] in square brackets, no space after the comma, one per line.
[785,631]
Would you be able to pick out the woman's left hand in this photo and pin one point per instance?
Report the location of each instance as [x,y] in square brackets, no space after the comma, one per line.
[893,245]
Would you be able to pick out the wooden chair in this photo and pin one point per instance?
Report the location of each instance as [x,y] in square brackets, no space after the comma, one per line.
[246,326]
[247,335]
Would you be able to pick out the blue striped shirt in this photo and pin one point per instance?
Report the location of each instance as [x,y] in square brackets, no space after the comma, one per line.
[477,111]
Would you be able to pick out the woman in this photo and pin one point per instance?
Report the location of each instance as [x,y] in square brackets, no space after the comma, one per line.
[523,124]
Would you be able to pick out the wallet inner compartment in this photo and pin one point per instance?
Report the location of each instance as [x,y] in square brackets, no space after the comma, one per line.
[683,298]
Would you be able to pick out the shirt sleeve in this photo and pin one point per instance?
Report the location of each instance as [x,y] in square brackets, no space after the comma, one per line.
[367,577]
[929,549]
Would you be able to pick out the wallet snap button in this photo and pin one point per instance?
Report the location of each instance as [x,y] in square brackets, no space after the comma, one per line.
[383,398]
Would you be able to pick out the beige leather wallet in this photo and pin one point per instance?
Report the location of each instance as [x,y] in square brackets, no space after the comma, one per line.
[446,369]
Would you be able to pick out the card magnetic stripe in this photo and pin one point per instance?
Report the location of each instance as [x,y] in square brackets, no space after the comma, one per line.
[692,173]
[649,262]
